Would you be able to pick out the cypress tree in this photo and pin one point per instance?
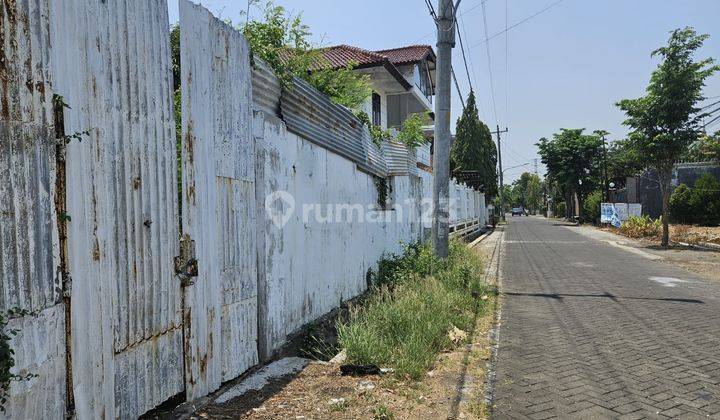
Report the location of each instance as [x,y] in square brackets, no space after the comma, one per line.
[473,148]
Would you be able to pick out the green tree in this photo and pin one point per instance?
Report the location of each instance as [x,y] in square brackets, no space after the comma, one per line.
[666,120]
[527,192]
[710,146]
[282,41]
[705,200]
[592,205]
[681,205]
[573,160]
[473,148]
[623,161]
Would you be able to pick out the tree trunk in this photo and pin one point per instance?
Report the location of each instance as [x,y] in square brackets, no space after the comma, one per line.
[664,176]
[568,205]
[580,206]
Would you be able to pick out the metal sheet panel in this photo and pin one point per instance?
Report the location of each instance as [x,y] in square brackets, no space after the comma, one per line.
[111,62]
[397,157]
[218,200]
[28,246]
[29,252]
[375,164]
[311,115]
[266,88]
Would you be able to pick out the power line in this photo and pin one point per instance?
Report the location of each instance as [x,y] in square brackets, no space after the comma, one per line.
[507,69]
[462,49]
[472,68]
[516,24]
[459,15]
[462,101]
[709,105]
[431,9]
[487,50]
[711,121]
[712,112]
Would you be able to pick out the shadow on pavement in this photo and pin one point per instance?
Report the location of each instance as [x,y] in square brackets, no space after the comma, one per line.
[561,296]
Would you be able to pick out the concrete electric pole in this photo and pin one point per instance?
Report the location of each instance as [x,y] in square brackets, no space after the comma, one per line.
[441,158]
[500,171]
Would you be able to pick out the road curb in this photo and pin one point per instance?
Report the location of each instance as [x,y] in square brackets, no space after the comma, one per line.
[494,334]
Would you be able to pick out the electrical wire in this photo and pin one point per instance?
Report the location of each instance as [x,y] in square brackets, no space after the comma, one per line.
[459,15]
[516,24]
[709,105]
[462,101]
[507,68]
[711,122]
[487,50]
[712,112]
[478,102]
[462,49]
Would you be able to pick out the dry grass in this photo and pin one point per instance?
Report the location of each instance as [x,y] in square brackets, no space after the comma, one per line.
[646,228]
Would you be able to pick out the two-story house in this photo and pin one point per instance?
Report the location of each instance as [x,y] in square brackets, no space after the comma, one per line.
[403,79]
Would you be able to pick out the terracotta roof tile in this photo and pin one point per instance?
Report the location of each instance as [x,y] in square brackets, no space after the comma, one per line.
[409,54]
[341,55]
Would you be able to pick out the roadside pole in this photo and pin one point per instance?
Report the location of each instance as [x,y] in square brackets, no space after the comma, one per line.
[500,171]
[441,157]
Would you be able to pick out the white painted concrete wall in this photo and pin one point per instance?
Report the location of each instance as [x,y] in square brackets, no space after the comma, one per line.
[307,267]
[310,265]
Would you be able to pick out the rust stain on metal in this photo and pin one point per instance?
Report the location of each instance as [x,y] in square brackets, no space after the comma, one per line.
[189,146]
[187,342]
[7,13]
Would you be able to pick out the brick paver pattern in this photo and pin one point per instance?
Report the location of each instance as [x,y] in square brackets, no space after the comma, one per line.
[586,333]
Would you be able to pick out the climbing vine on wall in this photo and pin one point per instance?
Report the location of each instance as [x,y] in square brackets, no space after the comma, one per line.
[382,189]
[7,356]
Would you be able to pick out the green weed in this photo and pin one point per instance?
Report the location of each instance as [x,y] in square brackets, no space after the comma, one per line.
[416,299]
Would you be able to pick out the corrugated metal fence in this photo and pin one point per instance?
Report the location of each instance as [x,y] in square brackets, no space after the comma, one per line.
[29,244]
[218,196]
[122,314]
[111,63]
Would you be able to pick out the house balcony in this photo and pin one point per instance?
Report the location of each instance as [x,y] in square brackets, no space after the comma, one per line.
[401,106]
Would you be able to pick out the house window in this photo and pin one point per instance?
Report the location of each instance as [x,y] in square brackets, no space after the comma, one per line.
[376,111]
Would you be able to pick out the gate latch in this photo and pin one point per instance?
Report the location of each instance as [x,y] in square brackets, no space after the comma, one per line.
[186,265]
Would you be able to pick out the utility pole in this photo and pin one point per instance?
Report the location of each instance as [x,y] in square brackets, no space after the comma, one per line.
[500,170]
[441,160]
[535,166]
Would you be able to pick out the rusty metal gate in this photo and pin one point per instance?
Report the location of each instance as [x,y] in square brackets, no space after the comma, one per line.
[111,63]
[218,199]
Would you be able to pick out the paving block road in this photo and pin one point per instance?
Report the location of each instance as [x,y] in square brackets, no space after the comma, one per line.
[590,330]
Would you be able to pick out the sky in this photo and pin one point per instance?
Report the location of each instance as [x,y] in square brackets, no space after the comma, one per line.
[563,68]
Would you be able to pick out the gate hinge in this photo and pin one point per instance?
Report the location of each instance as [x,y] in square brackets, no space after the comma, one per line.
[186,265]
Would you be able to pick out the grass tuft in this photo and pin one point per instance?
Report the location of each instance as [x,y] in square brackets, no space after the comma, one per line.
[416,299]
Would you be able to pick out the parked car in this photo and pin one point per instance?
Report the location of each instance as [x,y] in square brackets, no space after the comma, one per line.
[517,211]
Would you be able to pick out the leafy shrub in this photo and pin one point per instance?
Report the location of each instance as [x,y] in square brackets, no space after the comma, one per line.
[417,299]
[412,134]
[560,209]
[706,200]
[282,41]
[591,206]
[641,227]
[681,205]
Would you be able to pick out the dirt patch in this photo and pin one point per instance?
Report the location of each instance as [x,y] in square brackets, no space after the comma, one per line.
[684,233]
[696,260]
[321,392]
